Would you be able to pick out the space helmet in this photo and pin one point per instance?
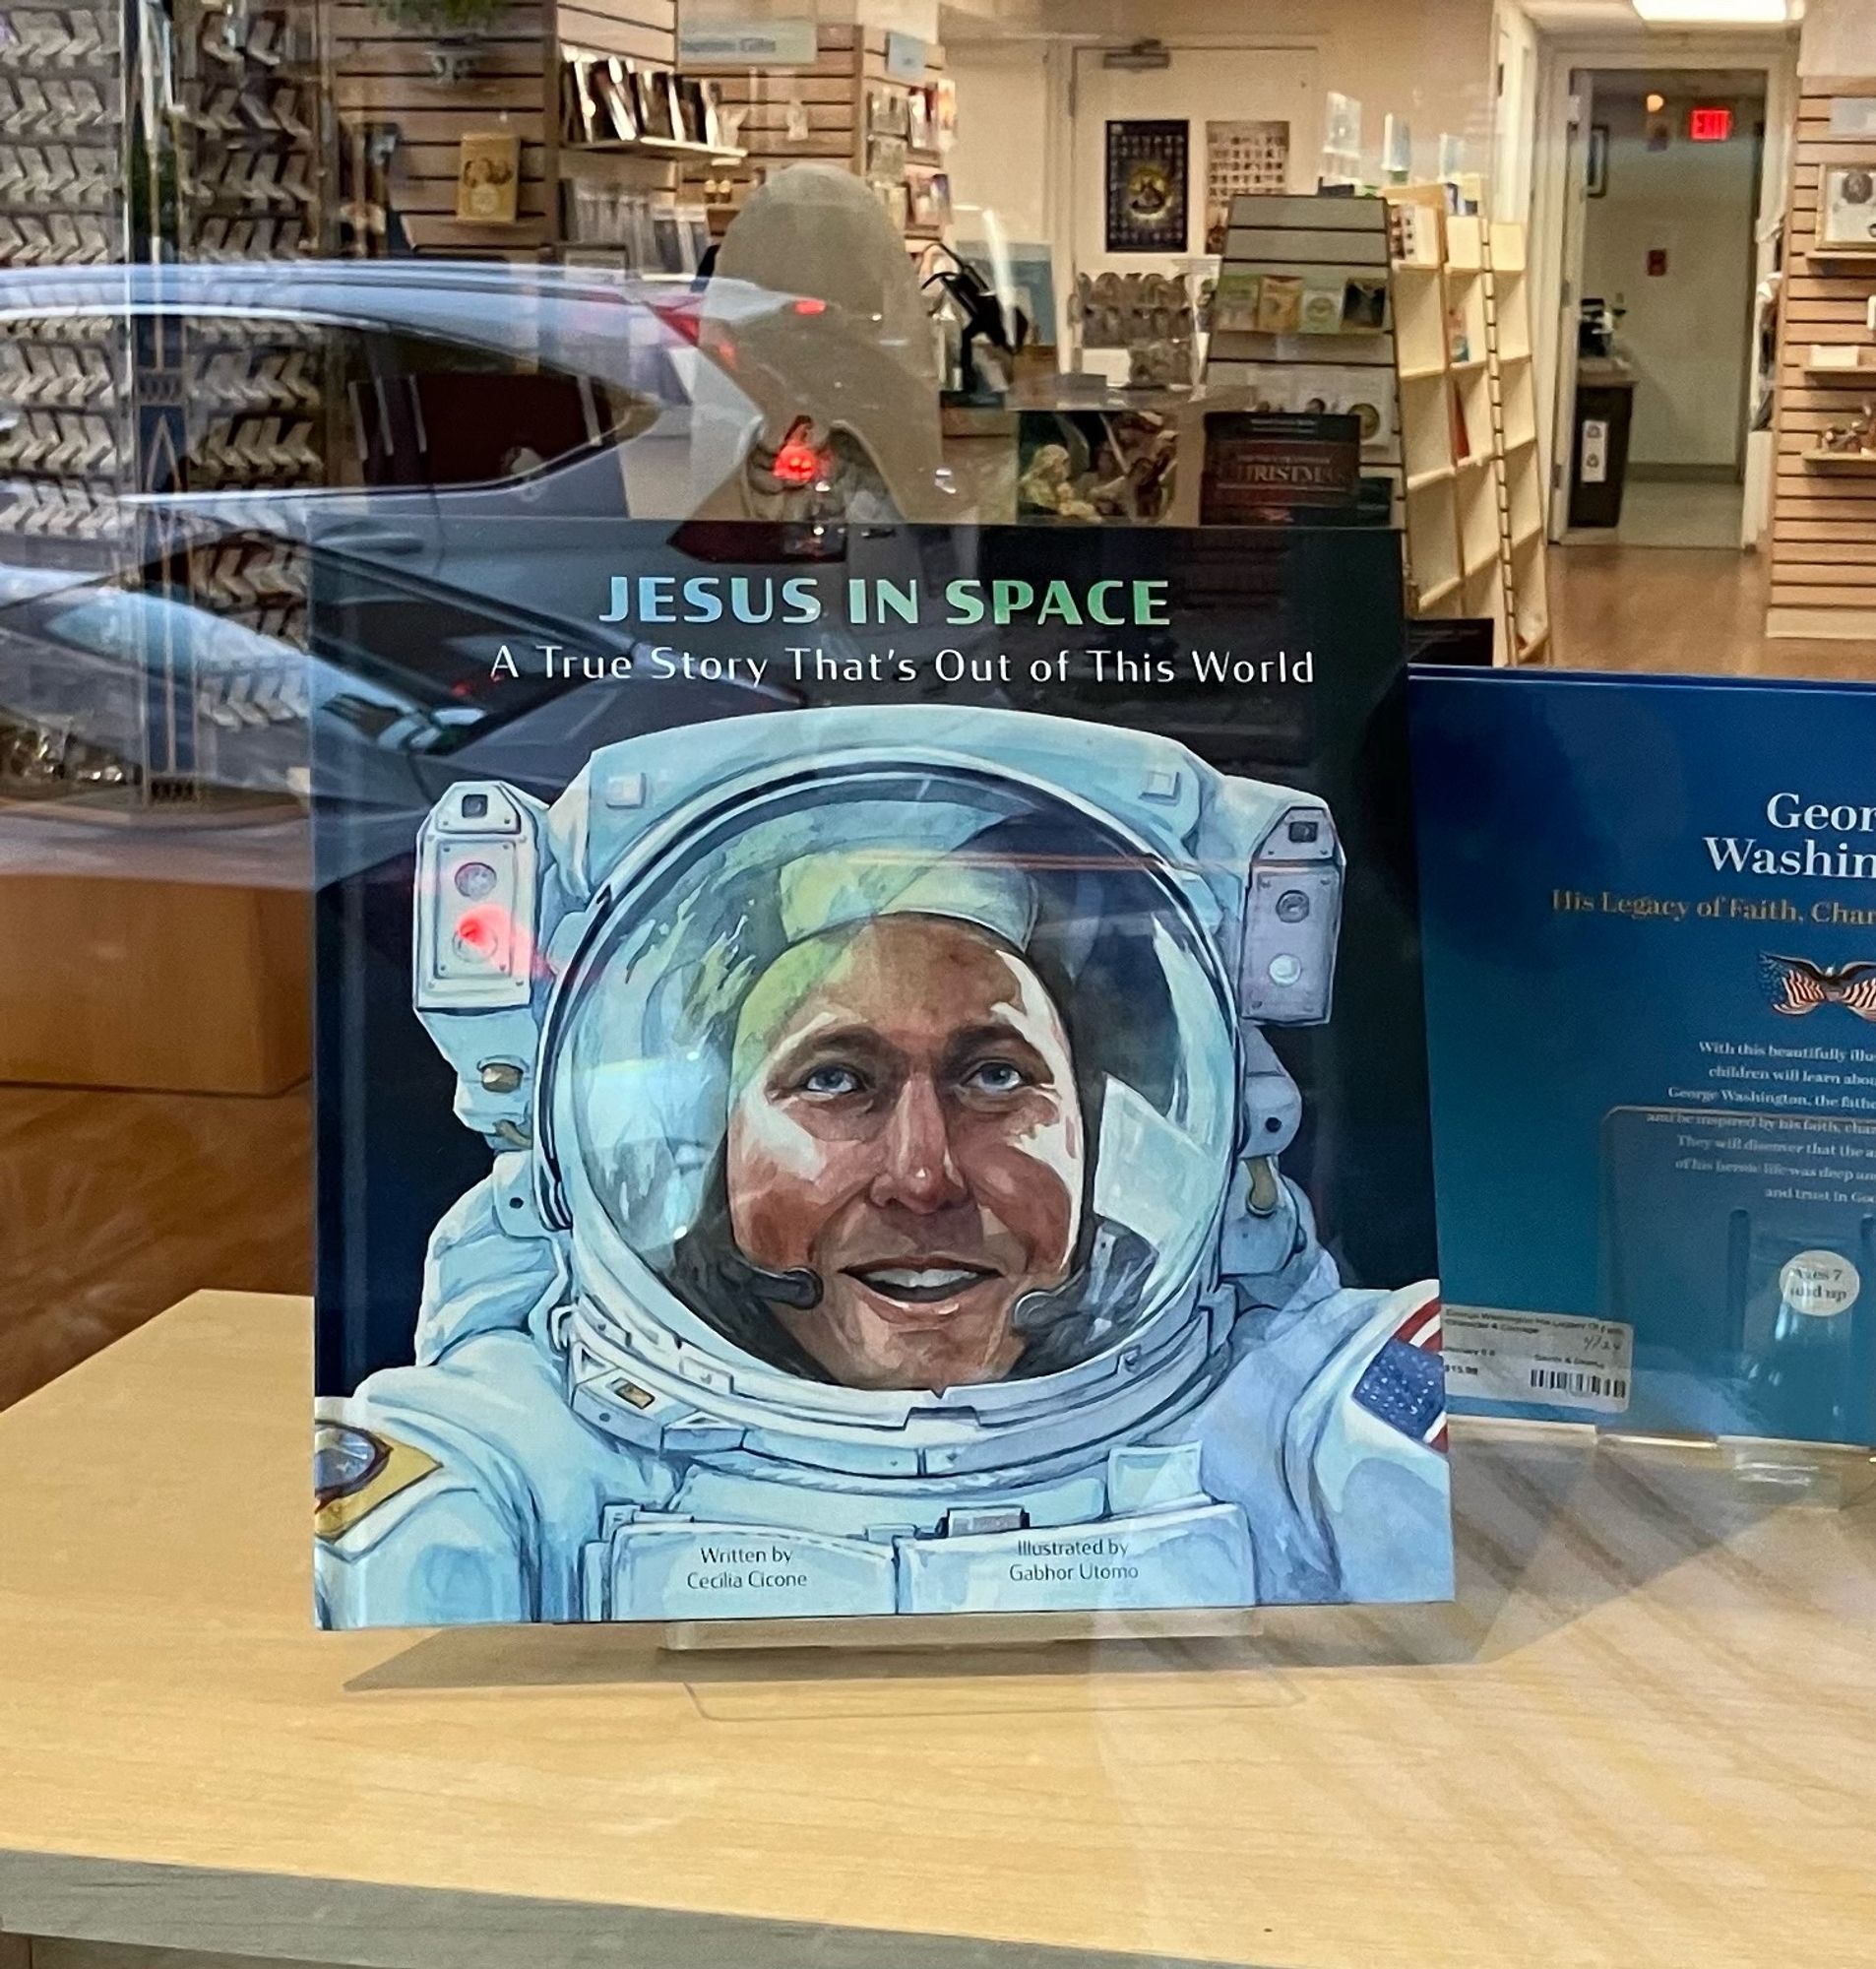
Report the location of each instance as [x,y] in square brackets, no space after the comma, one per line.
[697,901]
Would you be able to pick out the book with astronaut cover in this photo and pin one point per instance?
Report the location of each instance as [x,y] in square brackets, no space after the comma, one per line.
[872,1071]
[1650,912]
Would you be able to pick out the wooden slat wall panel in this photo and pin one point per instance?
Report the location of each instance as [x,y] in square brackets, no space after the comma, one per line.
[1823,521]
[381,74]
[832,93]
[829,92]
[621,30]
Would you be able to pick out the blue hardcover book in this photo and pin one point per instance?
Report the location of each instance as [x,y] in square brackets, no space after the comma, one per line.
[1650,912]
[873,1072]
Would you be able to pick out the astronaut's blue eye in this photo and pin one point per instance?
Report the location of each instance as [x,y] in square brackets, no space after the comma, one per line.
[996,1076]
[831,1080]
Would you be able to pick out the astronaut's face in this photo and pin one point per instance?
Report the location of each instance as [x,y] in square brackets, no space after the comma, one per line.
[906,1125]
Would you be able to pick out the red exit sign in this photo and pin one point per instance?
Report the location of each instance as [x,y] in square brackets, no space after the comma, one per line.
[1708,126]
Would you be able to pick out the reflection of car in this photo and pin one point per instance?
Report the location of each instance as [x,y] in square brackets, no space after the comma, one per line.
[390,728]
[517,380]
[455,443]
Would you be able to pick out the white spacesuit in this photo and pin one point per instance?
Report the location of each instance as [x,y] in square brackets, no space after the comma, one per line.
[884,1213]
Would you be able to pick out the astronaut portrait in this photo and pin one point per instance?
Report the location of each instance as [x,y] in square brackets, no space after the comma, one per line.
[905,1131]
[885,1209]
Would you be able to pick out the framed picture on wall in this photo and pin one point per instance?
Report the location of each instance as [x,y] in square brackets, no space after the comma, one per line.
[489,177]
[1240,159]
[1848,214]
[652,89]
[612,82]
[1148,164]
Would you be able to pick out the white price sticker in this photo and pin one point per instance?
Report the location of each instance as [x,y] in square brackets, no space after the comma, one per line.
[1544,1359]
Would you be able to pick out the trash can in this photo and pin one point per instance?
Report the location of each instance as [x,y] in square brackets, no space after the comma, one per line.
[1606,407]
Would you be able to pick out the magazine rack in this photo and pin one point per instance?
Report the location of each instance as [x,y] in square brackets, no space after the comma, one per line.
[1636,1735]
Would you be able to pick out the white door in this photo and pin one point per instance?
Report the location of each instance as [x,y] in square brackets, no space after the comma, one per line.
[1576,211]
[1201,85]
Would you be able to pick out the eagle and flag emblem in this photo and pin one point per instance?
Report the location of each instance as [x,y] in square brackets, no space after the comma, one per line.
[1797,985]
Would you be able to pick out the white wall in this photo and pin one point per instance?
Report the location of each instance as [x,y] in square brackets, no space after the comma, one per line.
[906,17]
[1430,61]
[1515,123]
[999,162]
[1203,85]
[1686,332]
[1839,39]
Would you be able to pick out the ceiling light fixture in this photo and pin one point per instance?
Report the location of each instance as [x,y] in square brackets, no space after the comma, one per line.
[1656,102]
[1713,13]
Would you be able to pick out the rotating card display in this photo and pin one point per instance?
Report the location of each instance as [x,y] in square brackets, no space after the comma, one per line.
[99,401]
[65,444]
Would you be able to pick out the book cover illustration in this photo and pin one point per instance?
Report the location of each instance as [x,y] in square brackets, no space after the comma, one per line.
[1650,909]
[891,1196]
[1265,468]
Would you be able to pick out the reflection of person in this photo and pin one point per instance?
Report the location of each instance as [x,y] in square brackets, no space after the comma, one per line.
[906,1129]
[856,375]
[887,1185]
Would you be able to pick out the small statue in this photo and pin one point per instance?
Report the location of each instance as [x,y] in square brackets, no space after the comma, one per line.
[1855,439]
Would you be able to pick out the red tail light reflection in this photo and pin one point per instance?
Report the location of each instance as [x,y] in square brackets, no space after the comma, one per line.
[797,462]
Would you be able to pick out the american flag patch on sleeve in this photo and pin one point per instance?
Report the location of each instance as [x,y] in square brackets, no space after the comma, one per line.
[1404,1385]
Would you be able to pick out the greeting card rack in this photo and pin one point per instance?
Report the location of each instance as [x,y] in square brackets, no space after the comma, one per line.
[63,432]
[231,402]
[155,138]
[1279,251]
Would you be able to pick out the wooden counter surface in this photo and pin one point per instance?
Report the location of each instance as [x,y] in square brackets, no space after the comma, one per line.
[1645,1735]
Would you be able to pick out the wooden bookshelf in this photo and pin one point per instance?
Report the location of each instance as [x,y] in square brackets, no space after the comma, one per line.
[1480,472]
[1451,461]
[1518,440]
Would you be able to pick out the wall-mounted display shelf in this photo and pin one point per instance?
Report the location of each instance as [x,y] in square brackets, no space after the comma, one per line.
[1823,501]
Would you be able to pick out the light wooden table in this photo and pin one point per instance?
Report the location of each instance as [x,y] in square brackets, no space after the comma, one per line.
[1645,1734]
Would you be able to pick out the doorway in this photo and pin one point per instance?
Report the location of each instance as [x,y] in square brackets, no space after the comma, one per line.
[1666,381]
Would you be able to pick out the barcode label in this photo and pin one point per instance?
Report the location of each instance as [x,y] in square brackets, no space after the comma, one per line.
[1574,1381]
[1533,1360]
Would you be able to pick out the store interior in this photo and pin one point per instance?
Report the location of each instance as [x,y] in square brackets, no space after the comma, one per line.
[1601,341]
